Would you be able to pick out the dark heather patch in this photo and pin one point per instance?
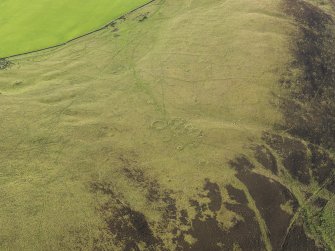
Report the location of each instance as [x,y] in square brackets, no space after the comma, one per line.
[322,164]
[171,208]
[296,164]
[4,63]
[208,230]
[269,195]
[181,244]
[245,233]
[241,163]
[127,227]
[199,208]
[320,202]
[214,195]
[153,191]
[131,169]
[283,145]
[183,217]
[172,220]
[298,240]
[103,187]
[310,109]
[208,233]
[130,227]
[237,195]
[264,156]
[135,174]
[331,185]
[294,154]
[155,194]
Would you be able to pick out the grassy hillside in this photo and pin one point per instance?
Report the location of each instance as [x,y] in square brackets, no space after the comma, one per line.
[186,125]
[36,24]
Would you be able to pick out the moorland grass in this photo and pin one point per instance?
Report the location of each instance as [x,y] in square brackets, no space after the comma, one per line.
[82,113]
[145,108]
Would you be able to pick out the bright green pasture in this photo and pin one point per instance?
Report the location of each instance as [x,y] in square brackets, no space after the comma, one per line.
[35,24]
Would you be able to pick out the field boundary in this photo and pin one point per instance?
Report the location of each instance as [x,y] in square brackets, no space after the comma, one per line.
[80,36]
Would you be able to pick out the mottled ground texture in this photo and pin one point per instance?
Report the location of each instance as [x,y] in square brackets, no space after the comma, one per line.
[186,125]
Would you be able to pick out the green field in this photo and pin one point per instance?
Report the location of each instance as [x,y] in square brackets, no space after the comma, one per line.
[184,126]
[32,25]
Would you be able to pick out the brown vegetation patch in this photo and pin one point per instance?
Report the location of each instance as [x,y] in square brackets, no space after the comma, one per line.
[133,171]
[296,164]
[214,194]
[310,111]
[264,156]
[208,230]
[321,164]
[331,185]
[249,227]
[269,196]
[131,228]
[298,240]
[283,145]
[127,227]
[242,164]
[294,154]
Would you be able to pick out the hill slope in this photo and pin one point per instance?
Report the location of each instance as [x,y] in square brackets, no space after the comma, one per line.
[187,125]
